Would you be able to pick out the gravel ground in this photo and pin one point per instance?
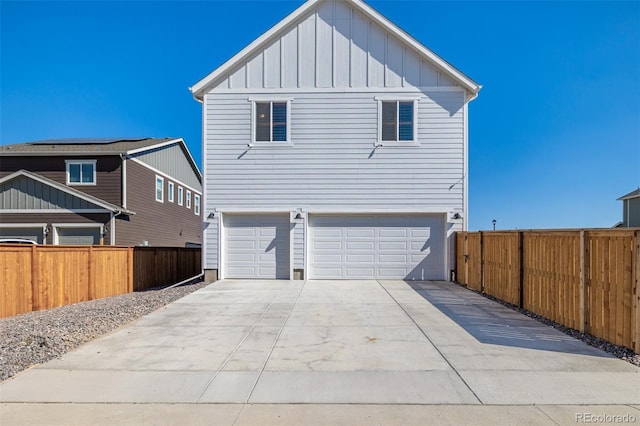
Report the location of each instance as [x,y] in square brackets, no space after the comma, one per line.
[36,337]
[621,352]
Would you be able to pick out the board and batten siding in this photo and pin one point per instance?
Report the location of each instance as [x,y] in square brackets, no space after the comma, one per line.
[333,46]
[171,160]
[332,163]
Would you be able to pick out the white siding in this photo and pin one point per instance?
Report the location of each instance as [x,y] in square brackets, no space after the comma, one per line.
[333,46]
[332,164]
[210,242]
[298,244]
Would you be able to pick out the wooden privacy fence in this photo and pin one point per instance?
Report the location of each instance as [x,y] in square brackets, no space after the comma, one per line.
[585,279]
[43,277]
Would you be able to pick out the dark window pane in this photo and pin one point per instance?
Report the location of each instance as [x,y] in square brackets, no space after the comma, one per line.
[87,173]
[405,127]
[263,121]
[74,172]
[280,122]
[389,115]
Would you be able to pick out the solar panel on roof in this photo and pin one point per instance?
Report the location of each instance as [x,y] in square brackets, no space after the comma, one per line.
[84,141]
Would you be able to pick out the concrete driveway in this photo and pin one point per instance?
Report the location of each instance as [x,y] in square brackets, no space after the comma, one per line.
[226,353]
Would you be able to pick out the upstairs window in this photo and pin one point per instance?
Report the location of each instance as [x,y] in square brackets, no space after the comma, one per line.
[81,172]
[196,204]
[180,195]
[397,121]
[159,189]
[188,199]
[271,122]
[170,192]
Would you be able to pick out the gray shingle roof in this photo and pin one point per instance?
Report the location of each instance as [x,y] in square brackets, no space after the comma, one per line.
[82,145]
[632,194]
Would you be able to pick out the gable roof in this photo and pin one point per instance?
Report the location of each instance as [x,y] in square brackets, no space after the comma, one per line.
[632,194]
[201,87]
[95,146]
[67,189]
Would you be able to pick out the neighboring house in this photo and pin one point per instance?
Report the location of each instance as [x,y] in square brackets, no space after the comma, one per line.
[631,209]
[335,146]
[101,191]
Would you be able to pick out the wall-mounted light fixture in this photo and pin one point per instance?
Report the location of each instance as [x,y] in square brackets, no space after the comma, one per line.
[212,215]
[298,216]
[457,215]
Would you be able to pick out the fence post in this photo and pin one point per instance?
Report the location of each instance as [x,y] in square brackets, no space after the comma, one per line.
[521,269]
[130,269]
[583,290]
[481,262]
[465,252]
[33,303]
[91,290]
[635,305]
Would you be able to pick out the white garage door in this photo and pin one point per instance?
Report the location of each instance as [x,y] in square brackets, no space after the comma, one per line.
[78,236]
[28,233]
[376,246]
[256,246]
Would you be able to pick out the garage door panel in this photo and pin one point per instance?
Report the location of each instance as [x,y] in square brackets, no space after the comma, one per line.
[360,245]
[360,233]
[28,233]
[361,272]
[384,246]
[360,258]
[393,258]
[393,245]
[256,246]
[78,236]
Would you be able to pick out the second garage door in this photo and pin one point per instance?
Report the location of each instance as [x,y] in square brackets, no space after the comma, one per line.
[256,246]
[407,247]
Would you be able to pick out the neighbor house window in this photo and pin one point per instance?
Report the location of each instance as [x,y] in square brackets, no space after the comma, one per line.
[188,199]
[81,172]
[196,204]
[159,189]
[397,121]
[170,192]
[271,121]
[180,195]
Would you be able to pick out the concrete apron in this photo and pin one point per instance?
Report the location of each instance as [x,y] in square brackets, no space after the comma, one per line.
[332,342]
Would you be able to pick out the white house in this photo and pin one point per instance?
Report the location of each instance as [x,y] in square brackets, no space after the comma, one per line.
[335,146]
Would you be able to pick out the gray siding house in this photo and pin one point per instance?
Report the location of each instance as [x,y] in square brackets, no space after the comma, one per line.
[335,146]
[101,191]
[631,209]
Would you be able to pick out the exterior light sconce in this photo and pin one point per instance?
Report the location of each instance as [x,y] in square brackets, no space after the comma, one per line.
[212,215]
[298,216]
[456,215]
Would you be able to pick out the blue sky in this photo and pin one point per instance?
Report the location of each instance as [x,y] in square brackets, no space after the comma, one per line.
[554,133]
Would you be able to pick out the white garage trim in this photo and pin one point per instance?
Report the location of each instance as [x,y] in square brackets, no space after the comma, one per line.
[57,226]
[42,227]
[349,238]
[278,223]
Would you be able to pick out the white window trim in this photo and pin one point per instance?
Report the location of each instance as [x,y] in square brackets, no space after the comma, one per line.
[180,195]
[196,204]
[81,162]
[155,189]
[415,141]
[188,197]
[170,190]
[276,99]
